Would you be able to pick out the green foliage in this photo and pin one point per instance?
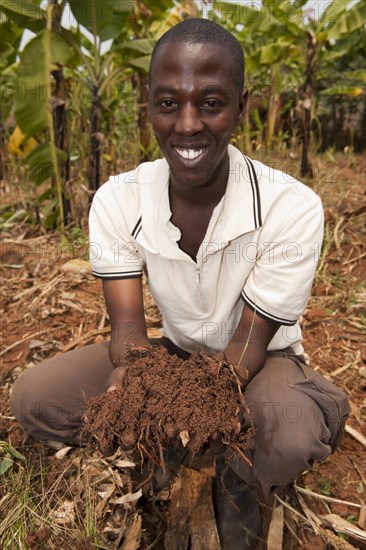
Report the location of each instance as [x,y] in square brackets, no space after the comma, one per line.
[34,109]
[105,19]
[25,14]
[350,20]
[8,455]
[8,219]
[38,162]
[130,53]
[324,487]
[75,243]
[34,83]
[30,502]
[352,91]
[26,9]
[142,45]
[10,36]
[274,53]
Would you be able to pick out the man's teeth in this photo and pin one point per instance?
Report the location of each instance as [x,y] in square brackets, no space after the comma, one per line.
[189,154]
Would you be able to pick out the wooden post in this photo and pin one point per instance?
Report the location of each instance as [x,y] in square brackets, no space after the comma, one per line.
[192,519]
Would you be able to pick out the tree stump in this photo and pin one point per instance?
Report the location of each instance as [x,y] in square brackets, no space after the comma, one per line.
[191,518]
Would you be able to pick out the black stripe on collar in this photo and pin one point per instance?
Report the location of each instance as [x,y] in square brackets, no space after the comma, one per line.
[136,228]
[255,190]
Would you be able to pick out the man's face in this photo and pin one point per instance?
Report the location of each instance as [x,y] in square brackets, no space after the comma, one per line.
[194,105]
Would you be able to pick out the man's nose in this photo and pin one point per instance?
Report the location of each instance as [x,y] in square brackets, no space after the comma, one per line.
[189,121]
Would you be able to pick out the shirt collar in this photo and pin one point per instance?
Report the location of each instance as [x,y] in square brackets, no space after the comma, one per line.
[242,204]
[241,212]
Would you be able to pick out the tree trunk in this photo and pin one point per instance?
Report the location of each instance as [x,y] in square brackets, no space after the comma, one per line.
[59,111]
[246,129]
[2,145]
[272,110]
[363,126]
[306,168]
[95,140]
[61,136]
[142,120]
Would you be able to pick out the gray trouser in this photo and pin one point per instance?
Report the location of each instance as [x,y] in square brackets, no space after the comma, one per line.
[299,416]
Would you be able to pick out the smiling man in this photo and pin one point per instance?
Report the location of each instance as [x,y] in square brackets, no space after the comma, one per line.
[230,249]
[195,102]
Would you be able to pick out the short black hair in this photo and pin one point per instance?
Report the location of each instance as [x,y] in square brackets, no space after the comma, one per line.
[200,31]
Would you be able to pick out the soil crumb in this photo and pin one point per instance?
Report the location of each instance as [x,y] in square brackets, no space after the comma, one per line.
[167,399]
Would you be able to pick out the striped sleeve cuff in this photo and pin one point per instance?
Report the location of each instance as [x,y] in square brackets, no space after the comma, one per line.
[117,274]
[253,306]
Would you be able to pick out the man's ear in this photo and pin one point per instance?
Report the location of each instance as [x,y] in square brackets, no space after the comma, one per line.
[242,106]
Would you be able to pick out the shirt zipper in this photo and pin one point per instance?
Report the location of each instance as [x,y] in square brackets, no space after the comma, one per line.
[198,275]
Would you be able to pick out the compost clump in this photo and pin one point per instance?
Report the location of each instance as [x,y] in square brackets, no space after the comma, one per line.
[167,400]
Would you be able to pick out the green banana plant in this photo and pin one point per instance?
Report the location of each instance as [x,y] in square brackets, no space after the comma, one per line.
[283,33]
[34,103]
[10,38]
[313,39]
[34,108]
[43,57]
[105,20]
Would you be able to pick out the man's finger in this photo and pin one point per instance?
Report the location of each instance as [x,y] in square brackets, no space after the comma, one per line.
[108,451]
[115,381]
[242,373]
[217,446]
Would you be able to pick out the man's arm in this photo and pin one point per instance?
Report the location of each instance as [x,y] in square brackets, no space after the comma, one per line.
[248,346]
[246,350]
[125,306]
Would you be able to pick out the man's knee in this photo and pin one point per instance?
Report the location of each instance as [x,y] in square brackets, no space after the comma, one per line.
[39,409]
[296,445]
[286,443]
[278,458]
[49,399]
[290,430]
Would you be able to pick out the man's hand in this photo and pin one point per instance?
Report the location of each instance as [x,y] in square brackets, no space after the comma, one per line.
[247,349]
[246,353]
[124,301]
[115,381]
[215,442]
[117,354]
[240,371]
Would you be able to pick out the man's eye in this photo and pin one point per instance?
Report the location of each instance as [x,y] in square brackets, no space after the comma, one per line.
[211,103]
[169,103]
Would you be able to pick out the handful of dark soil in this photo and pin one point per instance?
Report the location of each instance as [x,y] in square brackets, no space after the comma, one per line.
[166,398]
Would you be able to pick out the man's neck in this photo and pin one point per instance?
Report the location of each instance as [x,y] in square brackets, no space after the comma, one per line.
[207,195]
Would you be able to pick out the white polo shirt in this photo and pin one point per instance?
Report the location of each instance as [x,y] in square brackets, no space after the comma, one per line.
[261,247]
